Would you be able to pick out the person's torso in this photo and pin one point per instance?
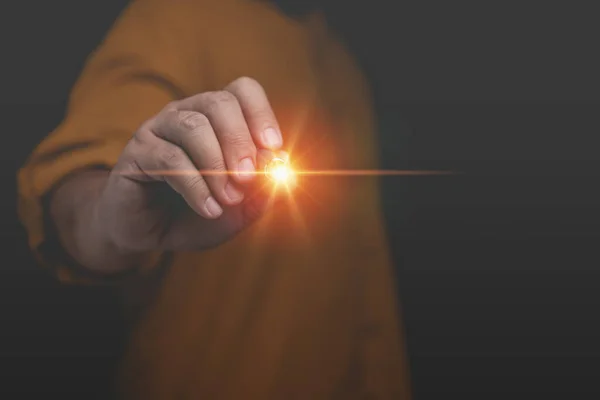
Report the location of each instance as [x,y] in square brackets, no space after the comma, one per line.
[273,313]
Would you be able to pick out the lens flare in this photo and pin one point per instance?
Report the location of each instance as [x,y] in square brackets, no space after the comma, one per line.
[280,174]
[279,171]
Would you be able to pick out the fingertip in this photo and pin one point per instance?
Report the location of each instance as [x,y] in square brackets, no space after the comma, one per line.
[271,139]
[212,208]
[246,170]
[232,194]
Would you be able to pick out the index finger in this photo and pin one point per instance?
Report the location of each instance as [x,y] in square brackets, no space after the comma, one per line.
[258,113]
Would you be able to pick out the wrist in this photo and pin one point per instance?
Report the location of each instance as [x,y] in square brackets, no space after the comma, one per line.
[81,228]
[104,253]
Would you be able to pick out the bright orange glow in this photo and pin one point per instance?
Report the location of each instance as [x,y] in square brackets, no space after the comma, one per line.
[280,172]
[292,172]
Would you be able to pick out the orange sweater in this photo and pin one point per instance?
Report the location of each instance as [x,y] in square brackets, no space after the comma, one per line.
[302,304]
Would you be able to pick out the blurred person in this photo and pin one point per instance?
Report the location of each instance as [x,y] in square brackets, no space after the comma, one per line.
[231,294]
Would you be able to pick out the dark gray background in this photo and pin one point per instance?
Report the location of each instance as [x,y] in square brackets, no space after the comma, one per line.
[498,267]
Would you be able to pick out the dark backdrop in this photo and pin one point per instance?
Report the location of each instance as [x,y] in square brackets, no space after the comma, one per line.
[498,267]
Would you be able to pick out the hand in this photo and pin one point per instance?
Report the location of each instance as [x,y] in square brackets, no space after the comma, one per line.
[203,150]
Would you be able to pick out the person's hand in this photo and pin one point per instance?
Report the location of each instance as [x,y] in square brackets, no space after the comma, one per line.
[204,150]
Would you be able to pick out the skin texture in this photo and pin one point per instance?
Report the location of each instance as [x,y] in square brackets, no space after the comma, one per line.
[107,220]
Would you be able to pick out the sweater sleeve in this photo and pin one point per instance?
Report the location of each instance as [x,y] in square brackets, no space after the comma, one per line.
[150,56]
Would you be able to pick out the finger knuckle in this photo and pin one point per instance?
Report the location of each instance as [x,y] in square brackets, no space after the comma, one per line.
[217,164]
[238,139]
[139,146]
[171,106]
[263,116]
[192,122]
[134,149]
[170,158]
[147,125]
[196,183]
[166,116]
[140,137]
[245,82]
[219,99]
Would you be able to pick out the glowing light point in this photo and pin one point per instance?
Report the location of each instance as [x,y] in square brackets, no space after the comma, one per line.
[280,174]
[279,171]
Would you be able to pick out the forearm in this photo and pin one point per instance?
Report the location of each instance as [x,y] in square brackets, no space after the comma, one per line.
[72,211]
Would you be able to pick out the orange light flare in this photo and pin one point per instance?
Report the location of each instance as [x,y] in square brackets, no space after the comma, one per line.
[281,173]
[288,174]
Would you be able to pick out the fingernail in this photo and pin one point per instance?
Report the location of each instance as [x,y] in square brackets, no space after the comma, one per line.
[272,138]
[212,207]
[233,193]
[246,168]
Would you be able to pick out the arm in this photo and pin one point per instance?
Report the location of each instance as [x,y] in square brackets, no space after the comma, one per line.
[143,64]
[72,215]
[141,103]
